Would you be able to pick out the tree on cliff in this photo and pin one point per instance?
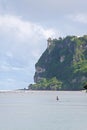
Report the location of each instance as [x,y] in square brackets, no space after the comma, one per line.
[44,84]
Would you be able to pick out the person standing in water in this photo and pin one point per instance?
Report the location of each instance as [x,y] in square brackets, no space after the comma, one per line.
[57,98]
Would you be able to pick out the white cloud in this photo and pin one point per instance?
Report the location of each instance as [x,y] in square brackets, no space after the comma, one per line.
[4,68]
[23,29]
[81,18]
[19,35]
[9,54]
[21,43]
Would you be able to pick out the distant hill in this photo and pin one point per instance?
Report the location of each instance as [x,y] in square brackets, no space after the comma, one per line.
[65,59]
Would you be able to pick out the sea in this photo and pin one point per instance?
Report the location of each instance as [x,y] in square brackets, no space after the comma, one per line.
[39,110]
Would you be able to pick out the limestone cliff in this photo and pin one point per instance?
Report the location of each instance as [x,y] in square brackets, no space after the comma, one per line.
[65,59]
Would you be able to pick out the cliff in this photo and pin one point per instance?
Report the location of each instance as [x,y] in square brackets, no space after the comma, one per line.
[65,59]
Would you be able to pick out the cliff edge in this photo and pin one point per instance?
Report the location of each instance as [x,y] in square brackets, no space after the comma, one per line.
[65,59]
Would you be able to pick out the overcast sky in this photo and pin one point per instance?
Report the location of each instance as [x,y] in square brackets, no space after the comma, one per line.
[25,26]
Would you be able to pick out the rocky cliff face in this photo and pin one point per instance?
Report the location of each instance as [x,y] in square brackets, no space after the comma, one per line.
[39,71]
[65,59]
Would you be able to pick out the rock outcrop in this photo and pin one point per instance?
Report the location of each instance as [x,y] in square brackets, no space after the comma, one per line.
[65,59]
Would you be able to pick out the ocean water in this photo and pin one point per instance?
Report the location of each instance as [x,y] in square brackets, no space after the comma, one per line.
[40,111]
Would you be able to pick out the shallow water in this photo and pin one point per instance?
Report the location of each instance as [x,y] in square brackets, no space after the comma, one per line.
[40,110]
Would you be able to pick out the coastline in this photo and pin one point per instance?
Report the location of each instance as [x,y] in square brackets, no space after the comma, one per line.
[33,91]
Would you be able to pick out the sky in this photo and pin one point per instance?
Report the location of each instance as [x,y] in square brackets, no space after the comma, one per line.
[25,26]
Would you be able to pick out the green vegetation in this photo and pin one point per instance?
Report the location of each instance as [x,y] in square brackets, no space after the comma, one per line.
[44,84]
[65,59]
[81,66]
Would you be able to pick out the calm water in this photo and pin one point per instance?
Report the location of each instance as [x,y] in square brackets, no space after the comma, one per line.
[41,111]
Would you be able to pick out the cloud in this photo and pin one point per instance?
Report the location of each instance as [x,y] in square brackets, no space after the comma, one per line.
[9,68]
[80,18]
[38,10]
[23,29]
[21,42]
[17,31]
[18,35]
